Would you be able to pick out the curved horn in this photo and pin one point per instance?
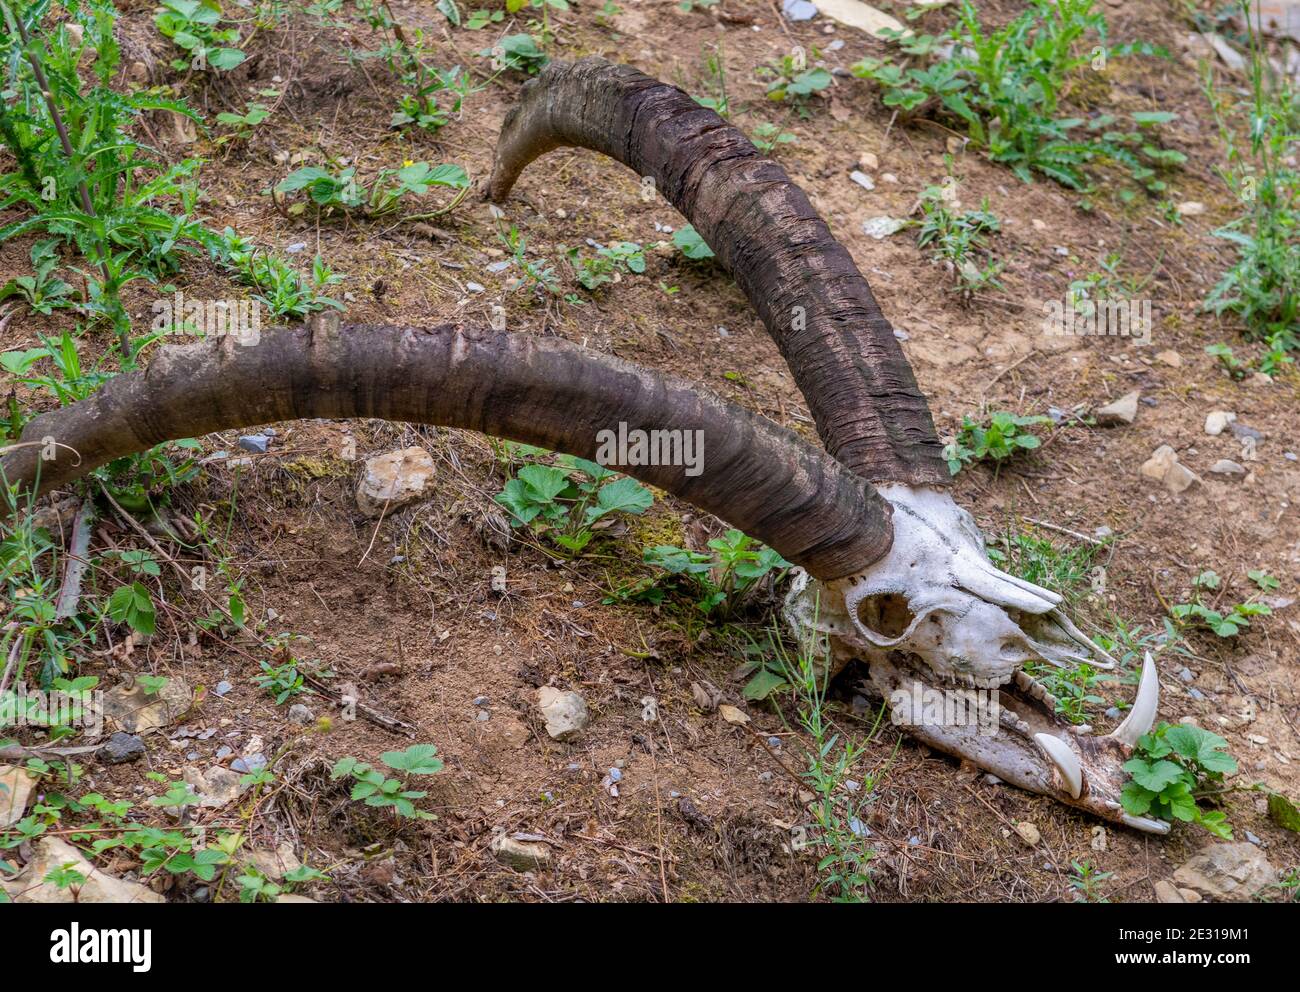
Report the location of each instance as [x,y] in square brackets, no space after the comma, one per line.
[757,476]
[802,282]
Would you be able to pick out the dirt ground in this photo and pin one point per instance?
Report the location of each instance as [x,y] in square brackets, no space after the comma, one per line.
[696,818]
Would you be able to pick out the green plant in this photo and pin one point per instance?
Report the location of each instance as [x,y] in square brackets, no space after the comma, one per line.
[767,136]
[42,290]
[282,680]
[791,79]
[1041,561]
[839,805]
[1262,288]
[374,788]
[958,239]
[721,580]
[1224,623]
[1072,688]
[998,437]
[1087,881]
[241,125]
[1229,362]
[280,288]
[195,27]
[689,242]
[537,275]
[715,76]
[607,264]
[1170,768]
[565,501]
[1003,88]
[340,192]
[517,52]
[95,186]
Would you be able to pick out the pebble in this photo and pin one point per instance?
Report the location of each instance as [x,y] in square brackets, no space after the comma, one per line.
[1217,421]
[121,748]
[1227,467]
[301,714]
[862,179]
[565,713]
[481,700]
[473,287]
[1196,694]
[249,764]
[498,267]
[798,10]
[256,443]
[1186,675]
[1119,413]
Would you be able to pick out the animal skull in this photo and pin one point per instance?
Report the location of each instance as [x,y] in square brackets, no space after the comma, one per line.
[935,613]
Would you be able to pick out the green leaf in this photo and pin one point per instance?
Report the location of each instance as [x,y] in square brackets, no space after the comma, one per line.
[1155,776]
[691,244]
[418,759]
[543,481]
[624,495]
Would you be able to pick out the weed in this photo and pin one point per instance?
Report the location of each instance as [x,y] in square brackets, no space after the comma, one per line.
[1003,87]
[1169,765]
[566,501]
[958,239]
[1087,882]
[839,805]
[194,26]
[608,263]
[374,788]
[767,136]
[998,437]
[689,242]
[42,291]
[1224,623]
[1262,288]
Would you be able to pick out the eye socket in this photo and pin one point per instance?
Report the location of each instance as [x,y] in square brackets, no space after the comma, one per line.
[886,614]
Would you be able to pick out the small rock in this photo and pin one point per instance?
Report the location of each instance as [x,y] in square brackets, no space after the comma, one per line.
[473,287]
[862,179]
[1241,432]
[249,764]
[222,688]
[300,714]
[1196,694]
[1028,833]
[1038,225]
[1186,675]
[1190,208]
[1163,466]
[1170,358]
[1227,467]
[889,177]
[120,748]
[798,10]
[565,713]
[1217,421]
[868,162]
[1121,412]
[256,443]
[1190,895]
[52,853]
[1166,891]
[15,792]
[394,479]
[1227,872]
[882,227]
[521,855]
[1113,713]
[1253,839]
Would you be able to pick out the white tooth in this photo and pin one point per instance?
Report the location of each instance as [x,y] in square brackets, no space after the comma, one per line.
[1146,824]
[1143,713]
[1067,764]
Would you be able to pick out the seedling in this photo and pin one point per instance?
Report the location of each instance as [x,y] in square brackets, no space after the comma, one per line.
[1170,768]
[998,438]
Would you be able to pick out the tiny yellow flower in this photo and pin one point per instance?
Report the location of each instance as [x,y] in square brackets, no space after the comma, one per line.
[407,164]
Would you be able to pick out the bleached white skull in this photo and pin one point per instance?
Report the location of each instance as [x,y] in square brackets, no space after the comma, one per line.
[936,613]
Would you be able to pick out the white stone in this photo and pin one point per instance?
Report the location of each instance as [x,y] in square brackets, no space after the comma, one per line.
[393,479]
